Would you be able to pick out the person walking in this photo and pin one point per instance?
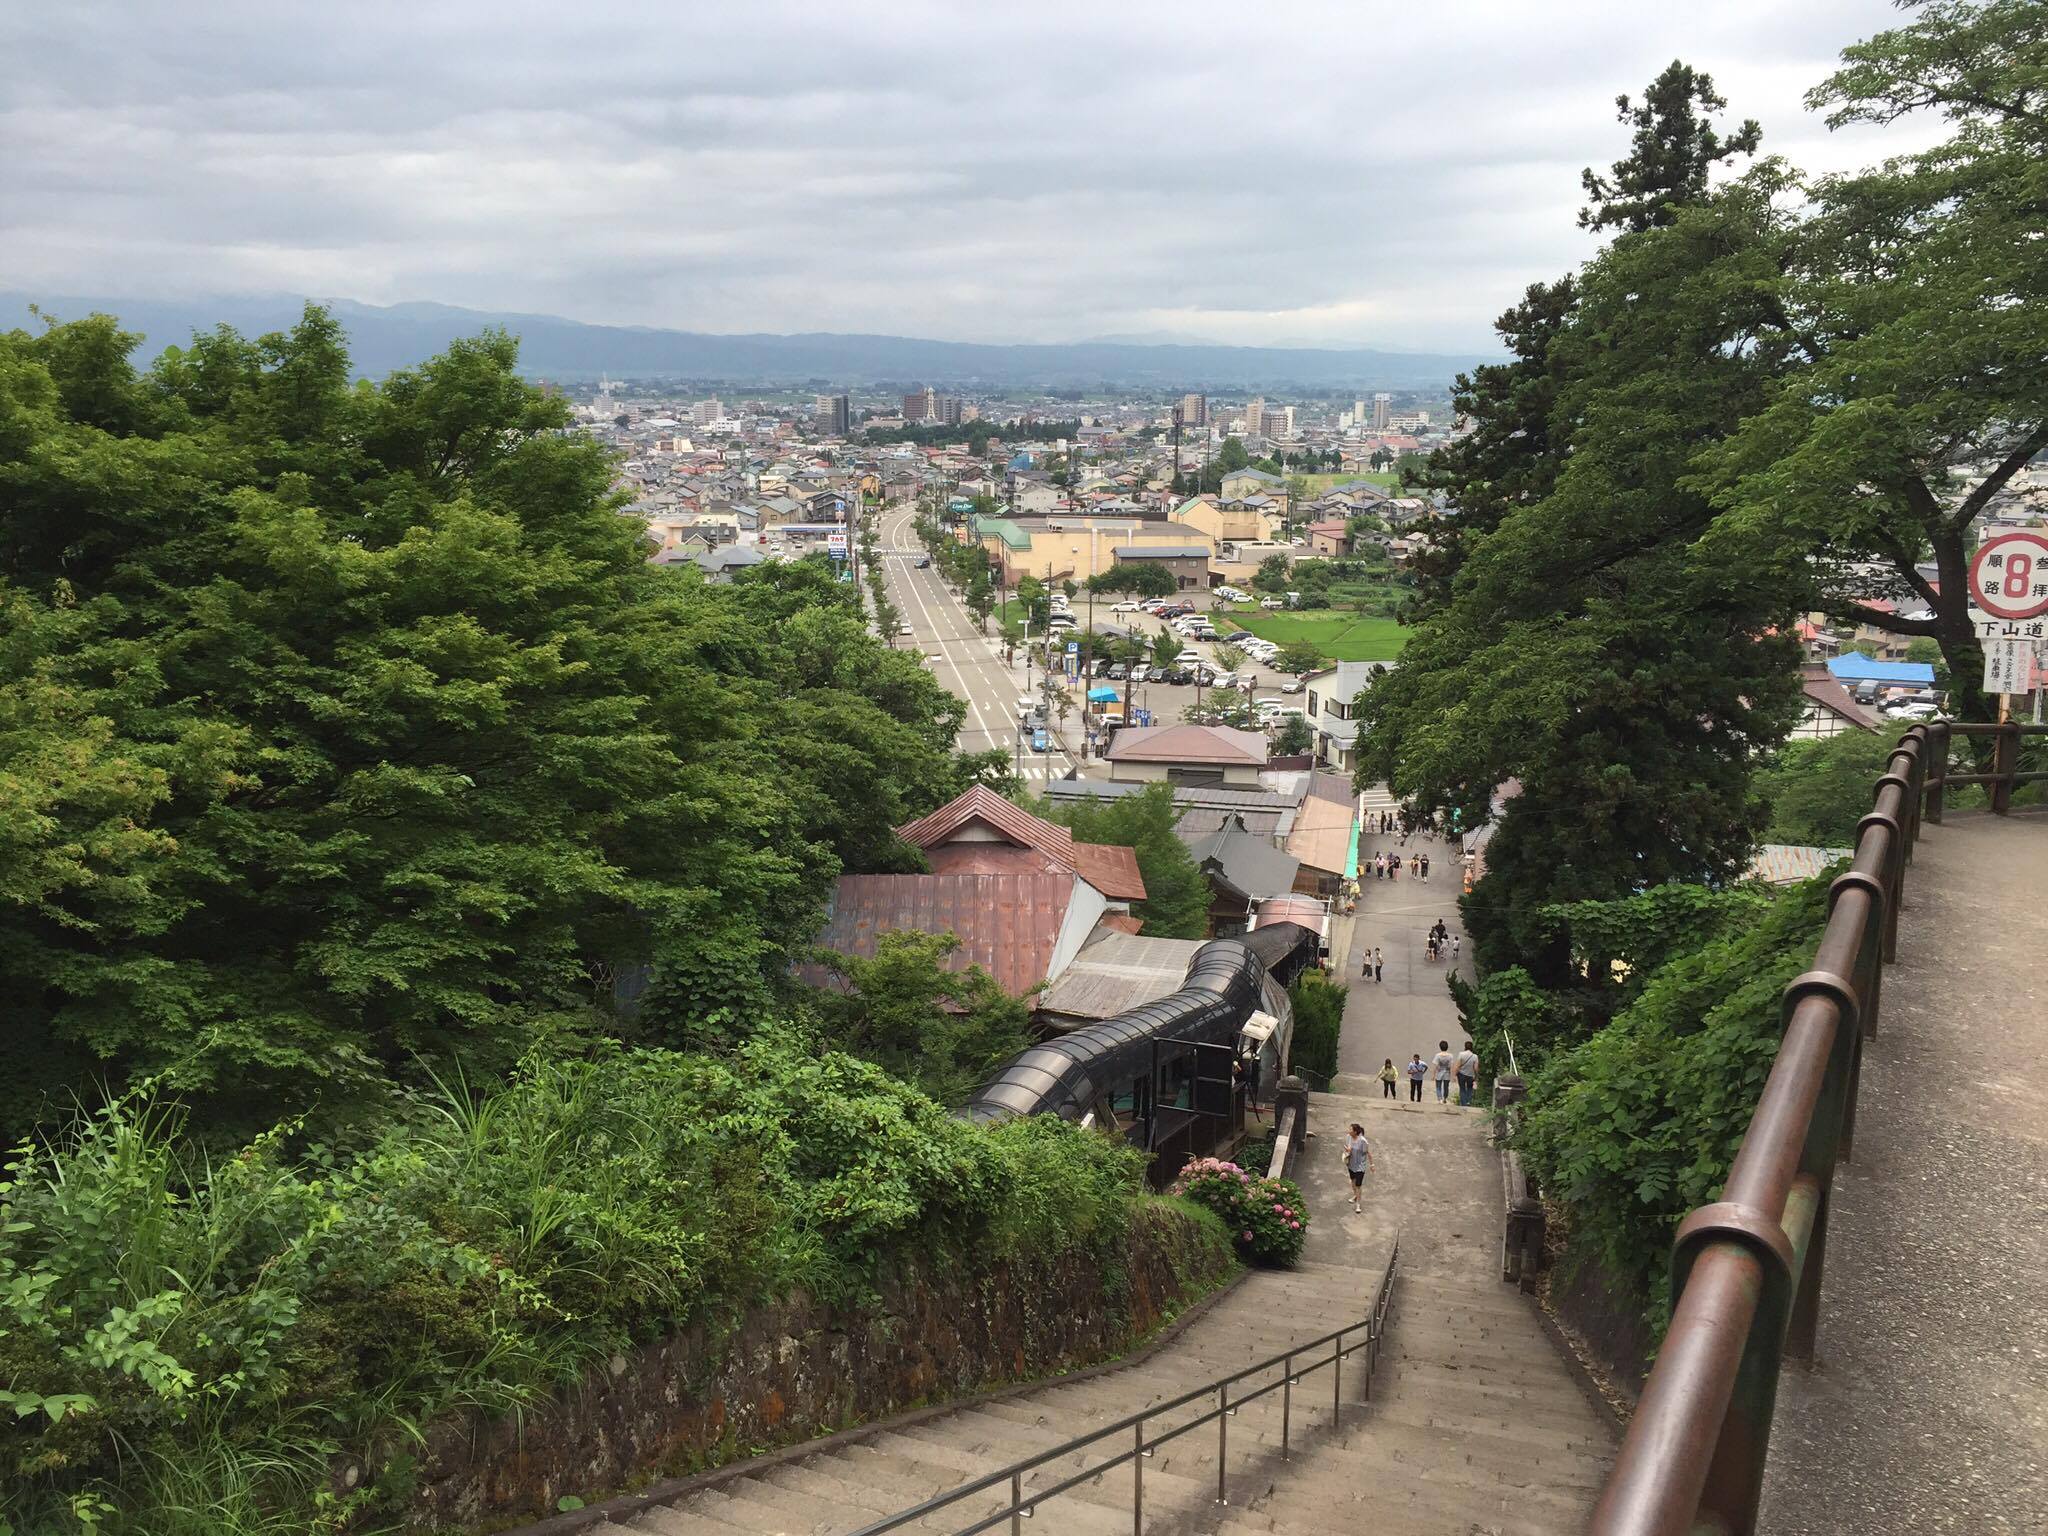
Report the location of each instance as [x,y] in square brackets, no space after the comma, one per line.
[1425,869]
[1457,942]
[1379,963]
[1468,1074]
[1415,865]
[1440,1069]
[1365,970]
[1387,1079]
[1357,1162]
[1416,1073]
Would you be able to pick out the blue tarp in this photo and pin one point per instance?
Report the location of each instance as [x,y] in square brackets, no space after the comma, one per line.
[1101,695]
[1854,668]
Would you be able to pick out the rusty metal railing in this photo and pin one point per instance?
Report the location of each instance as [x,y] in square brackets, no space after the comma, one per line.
[1746,1270]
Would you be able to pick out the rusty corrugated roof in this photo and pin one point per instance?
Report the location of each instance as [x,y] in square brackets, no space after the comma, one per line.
[1118,971]
[1007,924]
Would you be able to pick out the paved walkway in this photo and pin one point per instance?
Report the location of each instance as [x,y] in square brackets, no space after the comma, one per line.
[1927,1410]
[1473,1424]
[1410,1008]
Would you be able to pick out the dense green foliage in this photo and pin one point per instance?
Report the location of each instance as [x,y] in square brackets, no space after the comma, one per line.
[1139,578]
[1587,648]
[1631,1127]
[944,1030]
[1266,1218]
[347,725]
[1176,904]
[187,1343]
[1819,790]
[1318,1022]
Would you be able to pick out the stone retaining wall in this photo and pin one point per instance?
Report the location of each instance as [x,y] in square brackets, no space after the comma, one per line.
[798,1369]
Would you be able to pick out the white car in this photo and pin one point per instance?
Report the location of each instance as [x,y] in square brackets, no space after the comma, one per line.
[1270,602]
[1124,608]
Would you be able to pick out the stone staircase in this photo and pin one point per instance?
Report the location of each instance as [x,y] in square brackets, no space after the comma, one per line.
[1473,1424]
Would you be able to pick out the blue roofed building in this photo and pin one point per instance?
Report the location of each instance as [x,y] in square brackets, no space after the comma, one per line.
[1855,668]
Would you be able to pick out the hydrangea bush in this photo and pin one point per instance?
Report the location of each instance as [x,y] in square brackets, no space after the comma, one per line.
[1267,1218]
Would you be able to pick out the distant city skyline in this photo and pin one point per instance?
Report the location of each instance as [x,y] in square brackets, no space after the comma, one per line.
[1314,176]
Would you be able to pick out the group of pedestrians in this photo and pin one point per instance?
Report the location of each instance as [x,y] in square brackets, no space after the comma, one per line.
[1441,1069]
[1387,866]
[1442,942]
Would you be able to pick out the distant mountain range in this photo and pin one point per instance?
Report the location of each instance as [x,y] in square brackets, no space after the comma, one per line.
[384,338]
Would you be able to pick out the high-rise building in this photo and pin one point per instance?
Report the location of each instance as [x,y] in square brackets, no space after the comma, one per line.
[923,405]
[1194,410]
[1382,406]
[946,410]
[833,415]
[704,412]
[1358,416]
[1254,415]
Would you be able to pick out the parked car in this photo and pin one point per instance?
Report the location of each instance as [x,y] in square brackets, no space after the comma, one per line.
[1270,602]
[1223,680]
[1116,671]
[905,629]
[1912,709]
[1124,608]
[1181,676]
[1294,685]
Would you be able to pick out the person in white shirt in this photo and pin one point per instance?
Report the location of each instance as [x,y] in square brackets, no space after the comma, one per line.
[1440,1071]
[1357,1160]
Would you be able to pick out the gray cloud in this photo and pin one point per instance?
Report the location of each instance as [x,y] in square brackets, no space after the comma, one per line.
[1341,172]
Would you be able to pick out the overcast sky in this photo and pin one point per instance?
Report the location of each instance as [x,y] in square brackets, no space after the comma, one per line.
[1351,173]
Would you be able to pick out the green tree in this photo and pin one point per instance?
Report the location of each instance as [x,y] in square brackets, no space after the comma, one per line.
[1167,648]
[1818,790]
[1911,305]
[1674,151]
[1176,904]
[1587,647]
[1295,737]
[1230,456]
[1140,578]
[1298,656]
[366,734]
[940,1026]
[981,598]
[1273,575]
[1230,657]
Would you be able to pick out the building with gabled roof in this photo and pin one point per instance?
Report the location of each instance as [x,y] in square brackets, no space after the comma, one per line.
[1020,893]
[1215,756]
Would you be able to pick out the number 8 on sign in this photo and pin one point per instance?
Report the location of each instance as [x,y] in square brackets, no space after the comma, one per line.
[2009,575]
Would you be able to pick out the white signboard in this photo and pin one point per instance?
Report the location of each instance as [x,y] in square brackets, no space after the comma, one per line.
[2009,575]
[835,545]
[2008,666]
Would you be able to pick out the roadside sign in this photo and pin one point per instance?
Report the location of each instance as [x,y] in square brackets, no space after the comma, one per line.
[835,543]
[2009,575]
[2008,665]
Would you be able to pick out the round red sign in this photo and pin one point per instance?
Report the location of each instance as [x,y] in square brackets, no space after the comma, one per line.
[2009,575]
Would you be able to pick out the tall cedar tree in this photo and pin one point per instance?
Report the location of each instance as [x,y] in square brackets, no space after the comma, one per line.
[343,725]
[1584,649]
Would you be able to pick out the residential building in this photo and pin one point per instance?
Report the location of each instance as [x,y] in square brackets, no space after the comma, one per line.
[1243,869]
[1331,702]
[833,415]
[1194,410]
[1331,537]
[1227,521]
[1212,756]
[1188,564]
[1020,894]
[1828,708]
[1382,409]
[1240,483]
[1321,838]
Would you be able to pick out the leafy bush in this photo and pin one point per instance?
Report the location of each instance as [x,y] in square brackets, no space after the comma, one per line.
[1266,1218]
[185,1343]
[1318,1022]
[1631,1128]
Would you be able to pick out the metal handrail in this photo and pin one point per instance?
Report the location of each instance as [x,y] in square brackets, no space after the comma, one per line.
[1746,1270]
[1021,1507]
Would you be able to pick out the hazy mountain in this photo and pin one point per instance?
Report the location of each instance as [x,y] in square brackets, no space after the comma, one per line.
[384,338]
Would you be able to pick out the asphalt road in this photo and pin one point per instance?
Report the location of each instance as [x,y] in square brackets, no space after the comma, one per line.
[971,665]
[965,662]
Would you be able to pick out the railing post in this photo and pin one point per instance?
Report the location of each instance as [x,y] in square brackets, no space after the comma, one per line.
[1138,1481]
[2005,762]
[1337,1381]
[1222,1441]
[1016,1504]
[1937,769]
[1286,1405]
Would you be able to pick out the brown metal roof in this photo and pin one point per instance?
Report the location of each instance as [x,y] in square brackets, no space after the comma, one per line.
[1031,845]
[1007,924]
[1321,838]
[1188,744]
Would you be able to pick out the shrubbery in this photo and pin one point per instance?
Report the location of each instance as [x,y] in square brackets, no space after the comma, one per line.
[186,1343]
[1630,1128]
[1267,1218]
[1318,1021]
